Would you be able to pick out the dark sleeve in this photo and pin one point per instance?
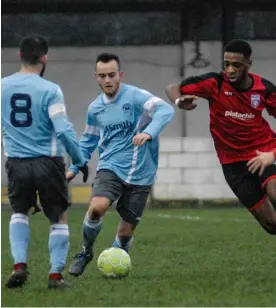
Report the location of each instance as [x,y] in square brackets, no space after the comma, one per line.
[205,86]
[270,97]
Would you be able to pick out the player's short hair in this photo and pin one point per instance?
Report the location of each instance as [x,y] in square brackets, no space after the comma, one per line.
[107,57]
[32,48]
[239,46]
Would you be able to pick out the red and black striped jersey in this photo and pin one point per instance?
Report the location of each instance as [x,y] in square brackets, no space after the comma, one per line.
[236,121]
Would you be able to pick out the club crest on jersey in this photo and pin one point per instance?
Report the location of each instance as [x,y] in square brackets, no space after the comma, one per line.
[127,108]
[255,100]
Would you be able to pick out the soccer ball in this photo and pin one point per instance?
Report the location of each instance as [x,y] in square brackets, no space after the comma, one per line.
[114,263]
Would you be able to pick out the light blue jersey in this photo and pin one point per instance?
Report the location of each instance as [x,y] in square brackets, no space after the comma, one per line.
[34,119]
[112,124]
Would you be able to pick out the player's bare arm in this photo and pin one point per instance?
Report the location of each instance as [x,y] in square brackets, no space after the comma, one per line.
[185,93]
[185,102]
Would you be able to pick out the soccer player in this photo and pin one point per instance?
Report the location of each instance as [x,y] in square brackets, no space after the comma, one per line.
[35,128]
[236,101]
[124,122]
[261,161]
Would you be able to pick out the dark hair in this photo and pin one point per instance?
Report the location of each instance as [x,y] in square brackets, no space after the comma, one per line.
[32,48]
[107,57]
[239,46]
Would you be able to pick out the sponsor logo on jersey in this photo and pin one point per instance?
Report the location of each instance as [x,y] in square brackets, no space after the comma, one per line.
[239,116]
[121,129]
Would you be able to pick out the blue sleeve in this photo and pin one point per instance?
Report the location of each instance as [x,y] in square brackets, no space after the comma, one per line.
[89,139]
[64,128]
[160,112]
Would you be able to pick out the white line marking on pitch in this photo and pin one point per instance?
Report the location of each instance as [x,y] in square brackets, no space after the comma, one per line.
[198,218]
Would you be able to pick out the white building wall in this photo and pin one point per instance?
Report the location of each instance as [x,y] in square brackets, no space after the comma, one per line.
[189,169]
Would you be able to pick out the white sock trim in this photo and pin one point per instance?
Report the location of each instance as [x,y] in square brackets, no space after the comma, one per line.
[92,223]
[59,232]
[59,226]
[19,218]
[59,229]
[129,243]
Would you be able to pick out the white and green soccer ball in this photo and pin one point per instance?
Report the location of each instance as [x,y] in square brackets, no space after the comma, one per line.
[114,263]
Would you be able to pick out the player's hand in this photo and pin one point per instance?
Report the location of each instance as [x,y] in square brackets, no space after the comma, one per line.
[186,102]
[141,138]
[69,176]
[85,171]
[260,162]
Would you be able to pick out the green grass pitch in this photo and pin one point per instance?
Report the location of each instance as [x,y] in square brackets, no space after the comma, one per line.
[200,257]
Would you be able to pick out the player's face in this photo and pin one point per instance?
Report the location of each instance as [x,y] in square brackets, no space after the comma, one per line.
[236,66]
[109,77]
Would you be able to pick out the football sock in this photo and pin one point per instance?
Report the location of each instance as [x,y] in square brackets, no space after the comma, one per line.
[91,229]
[124,242]
[58,247]
[19,237]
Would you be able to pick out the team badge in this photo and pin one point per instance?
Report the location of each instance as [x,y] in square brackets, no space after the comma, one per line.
[255,100]
[127,108]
